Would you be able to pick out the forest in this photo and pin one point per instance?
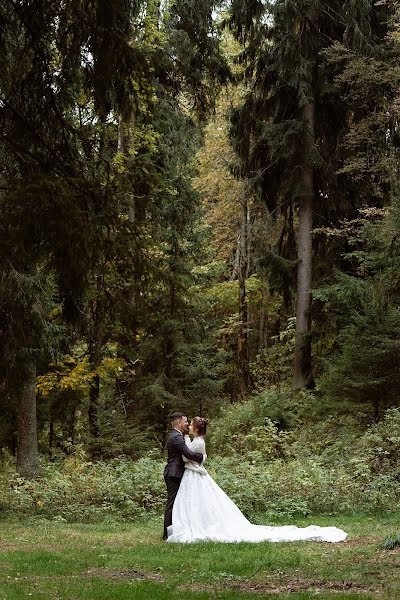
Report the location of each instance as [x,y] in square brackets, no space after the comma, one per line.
[200,211]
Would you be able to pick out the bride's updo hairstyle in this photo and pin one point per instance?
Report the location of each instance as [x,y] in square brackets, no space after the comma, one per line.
[200,425]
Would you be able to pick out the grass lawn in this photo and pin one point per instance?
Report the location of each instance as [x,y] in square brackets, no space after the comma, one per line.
[50,560]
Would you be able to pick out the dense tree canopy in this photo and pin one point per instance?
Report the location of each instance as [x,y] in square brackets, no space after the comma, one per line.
[196,200]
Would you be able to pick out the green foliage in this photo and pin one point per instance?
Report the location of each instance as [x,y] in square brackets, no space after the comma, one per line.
[77,490]
[326,466]
[365,370]
[324,471]
[29,330]
[379,445]
[119,433]
[273,366]
[367,78]
[269,417]
[247,427]
[195,44]
[277,488]
[362,310]
[313,470]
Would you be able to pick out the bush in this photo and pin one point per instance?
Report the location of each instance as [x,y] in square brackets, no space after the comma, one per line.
[274,365]
[302,487]
[265,422]
[380,445]
[328,467]
[281,488]
[76,490]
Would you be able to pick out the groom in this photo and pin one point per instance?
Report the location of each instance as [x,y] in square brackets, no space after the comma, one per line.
[175,466]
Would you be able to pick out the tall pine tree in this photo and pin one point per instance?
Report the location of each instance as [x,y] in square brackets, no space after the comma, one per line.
[289,132]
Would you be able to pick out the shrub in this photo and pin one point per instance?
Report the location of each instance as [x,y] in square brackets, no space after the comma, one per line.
[281,474]
[274,365]
[265,422]
[380,444]
[84,491]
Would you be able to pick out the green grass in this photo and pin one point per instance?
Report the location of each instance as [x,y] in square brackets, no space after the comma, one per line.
[57,561]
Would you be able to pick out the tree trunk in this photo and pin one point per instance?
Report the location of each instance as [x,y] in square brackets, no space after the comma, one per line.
[263,323]
[94,394]
[302,361]
[243,340]
[51,435]
[125,132]
[27,446]
[95,356]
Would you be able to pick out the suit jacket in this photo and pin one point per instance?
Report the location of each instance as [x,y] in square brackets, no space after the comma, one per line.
[176,447]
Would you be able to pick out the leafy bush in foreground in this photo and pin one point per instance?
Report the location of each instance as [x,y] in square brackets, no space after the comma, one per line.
[310,477]
[76,490]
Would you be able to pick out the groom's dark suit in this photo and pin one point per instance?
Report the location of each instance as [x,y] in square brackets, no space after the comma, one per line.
[174,470]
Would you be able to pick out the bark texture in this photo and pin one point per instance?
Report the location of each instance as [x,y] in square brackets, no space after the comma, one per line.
[302,363]
[95,357]
[27,446]
[243,271]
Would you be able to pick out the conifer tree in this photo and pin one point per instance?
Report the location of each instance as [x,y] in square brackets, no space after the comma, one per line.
[70,204]
[290,128]
[362,300]
[56,210]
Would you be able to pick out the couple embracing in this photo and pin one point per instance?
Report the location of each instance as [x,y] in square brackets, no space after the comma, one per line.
[198,509]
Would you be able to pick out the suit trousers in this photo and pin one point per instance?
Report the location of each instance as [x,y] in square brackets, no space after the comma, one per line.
[172,484]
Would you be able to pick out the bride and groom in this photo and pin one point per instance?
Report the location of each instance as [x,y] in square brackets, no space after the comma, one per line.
[198,509]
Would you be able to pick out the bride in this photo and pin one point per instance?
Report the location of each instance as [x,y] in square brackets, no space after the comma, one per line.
[202,511]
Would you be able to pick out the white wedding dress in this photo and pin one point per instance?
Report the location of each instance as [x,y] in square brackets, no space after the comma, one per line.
[203,512]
